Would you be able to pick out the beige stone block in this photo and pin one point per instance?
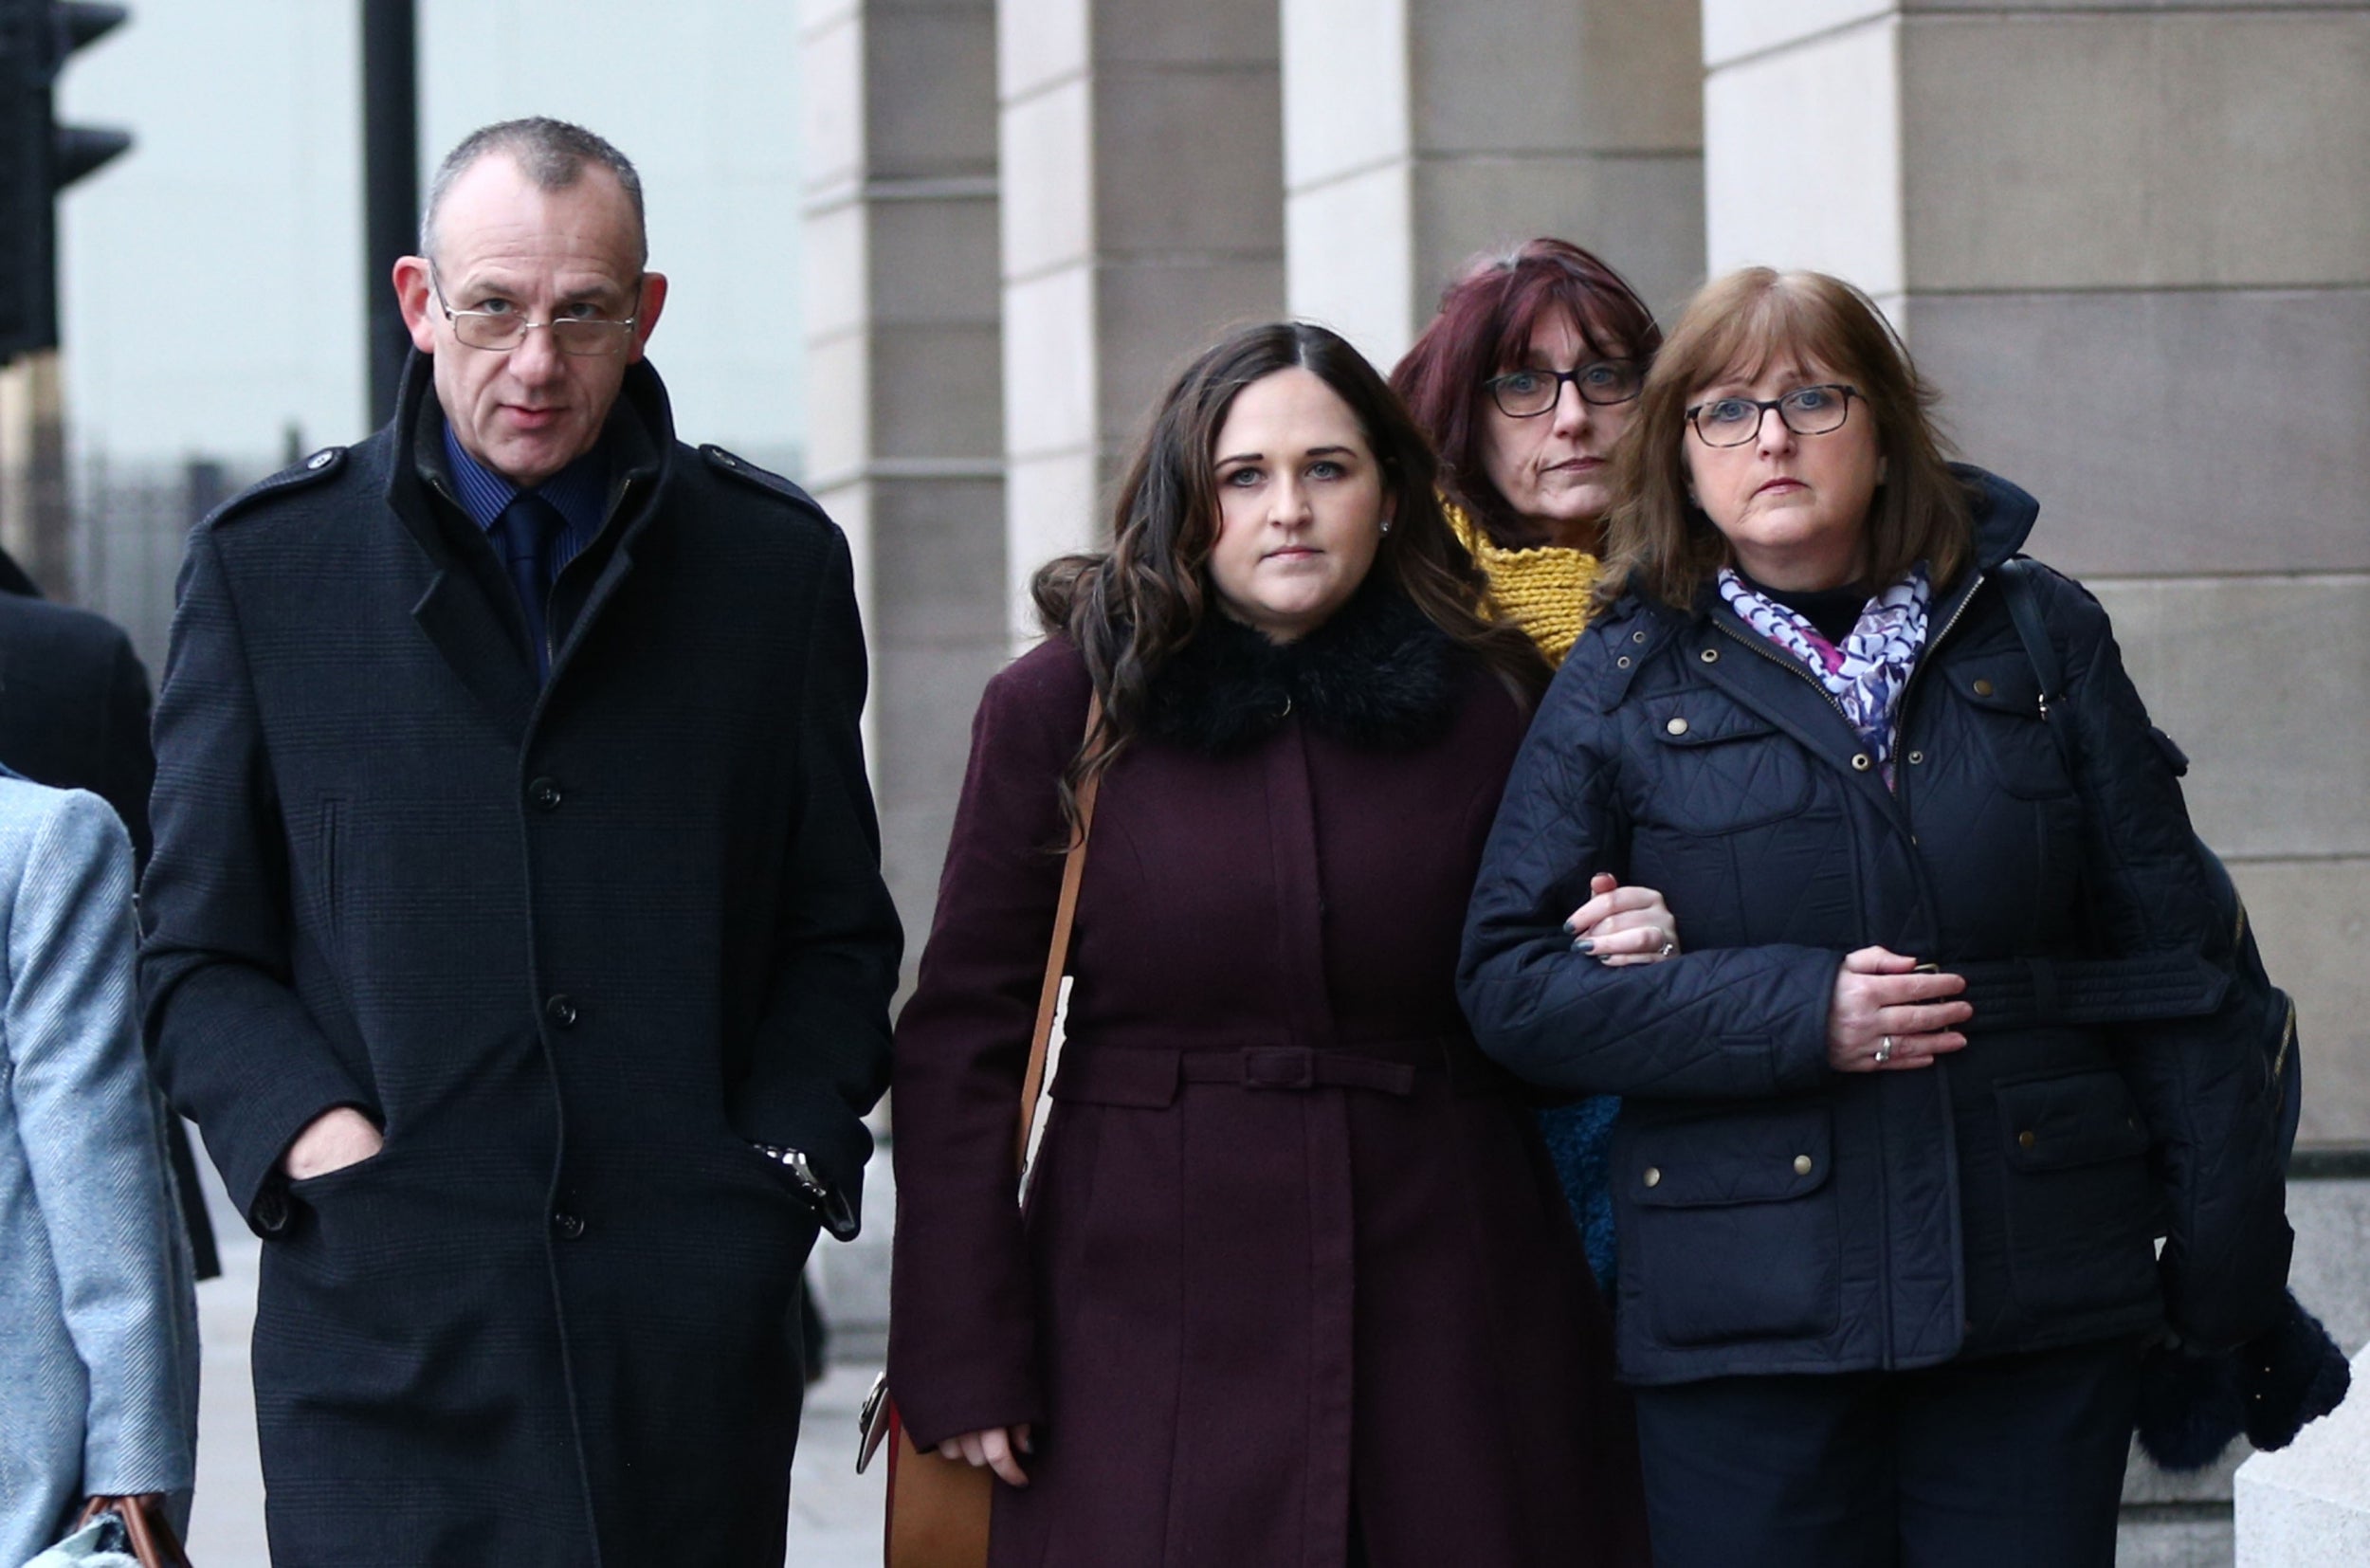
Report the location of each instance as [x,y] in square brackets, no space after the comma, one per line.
[2181,432]
[1553,77]
[2308,1505]
[2180,1540]
[1734,29]
[831,106]
[926,744]
[834,299]
[1046,190]
[2312,918]
[2331,1271]
[1050,356]
[1052,507]
[936,262]
[839,427]
[1039,43]
[933,92]
[1802,157]
[2265,682]
[1345,88]
[938,392]
[1350,259]
[2168,147]
[1188,160]
[1208,32]
[1644,215]
[1153,317]
[940,543]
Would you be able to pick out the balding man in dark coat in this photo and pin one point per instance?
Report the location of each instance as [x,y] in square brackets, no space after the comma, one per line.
[516,932]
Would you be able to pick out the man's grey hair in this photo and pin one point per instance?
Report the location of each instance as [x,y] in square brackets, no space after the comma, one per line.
[552,152]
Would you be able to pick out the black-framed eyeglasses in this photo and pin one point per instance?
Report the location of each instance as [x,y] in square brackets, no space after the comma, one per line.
[1805,410]
[1526,395]
[585,337]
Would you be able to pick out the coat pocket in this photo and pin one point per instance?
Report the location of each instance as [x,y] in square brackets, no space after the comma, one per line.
[1729,1226]
[1718,767]
[2079,1195]
[2004,696]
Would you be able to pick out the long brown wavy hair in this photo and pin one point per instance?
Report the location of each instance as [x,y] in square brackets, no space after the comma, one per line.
[1130,609]
[1660,544]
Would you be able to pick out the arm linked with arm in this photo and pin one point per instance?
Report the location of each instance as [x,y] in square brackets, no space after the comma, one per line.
[1730,1022]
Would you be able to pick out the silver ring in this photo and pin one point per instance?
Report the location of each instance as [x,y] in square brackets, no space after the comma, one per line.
[1885,1050]
[1666,949]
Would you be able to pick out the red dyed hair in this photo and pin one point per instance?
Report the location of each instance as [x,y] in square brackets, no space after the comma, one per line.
[1484,325]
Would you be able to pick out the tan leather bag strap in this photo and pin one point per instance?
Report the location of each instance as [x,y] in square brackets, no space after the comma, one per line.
[1057,956]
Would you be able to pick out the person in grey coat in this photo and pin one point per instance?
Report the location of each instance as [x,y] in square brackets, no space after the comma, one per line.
[99,1385]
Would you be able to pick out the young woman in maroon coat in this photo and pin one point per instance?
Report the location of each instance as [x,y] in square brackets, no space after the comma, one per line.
[1295,1286]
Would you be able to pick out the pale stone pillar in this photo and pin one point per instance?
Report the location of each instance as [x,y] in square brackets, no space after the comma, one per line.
[1142,213]
[904,386]
[2131,244]
[2308,1505]
[1419,132]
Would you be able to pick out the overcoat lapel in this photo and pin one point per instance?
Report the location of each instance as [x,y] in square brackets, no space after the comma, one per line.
[460,620]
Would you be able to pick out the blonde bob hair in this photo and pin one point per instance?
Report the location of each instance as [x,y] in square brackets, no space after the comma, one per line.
[1658,542]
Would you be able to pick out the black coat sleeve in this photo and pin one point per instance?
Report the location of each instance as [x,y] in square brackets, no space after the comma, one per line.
[1734,1022]
[822,1049]
[2205,1083]
[233,1045]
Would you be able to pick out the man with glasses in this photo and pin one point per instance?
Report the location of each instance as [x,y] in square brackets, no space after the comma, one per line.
[515,931]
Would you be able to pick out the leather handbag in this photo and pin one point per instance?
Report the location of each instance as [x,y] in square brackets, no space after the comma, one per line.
[116,1530]
[938,1507]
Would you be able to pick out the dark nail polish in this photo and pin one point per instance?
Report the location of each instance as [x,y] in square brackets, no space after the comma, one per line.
[1585,946]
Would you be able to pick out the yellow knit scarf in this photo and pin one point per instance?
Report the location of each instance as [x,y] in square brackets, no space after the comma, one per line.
[1545,588]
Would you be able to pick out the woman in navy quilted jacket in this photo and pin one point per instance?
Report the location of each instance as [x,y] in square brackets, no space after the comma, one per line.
[1948,1049]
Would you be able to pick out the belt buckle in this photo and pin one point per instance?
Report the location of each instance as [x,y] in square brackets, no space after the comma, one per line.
[1280,1068]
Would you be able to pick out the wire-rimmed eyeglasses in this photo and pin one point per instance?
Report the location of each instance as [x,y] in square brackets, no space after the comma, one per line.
[586,337]
[1526,395]
[1805,410]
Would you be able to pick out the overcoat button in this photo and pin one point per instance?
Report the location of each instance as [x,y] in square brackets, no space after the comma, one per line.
[2025,1140]
[545,794]
[1677,726]
[1802,1165]
[568,1225]
[1983,688]
[1862,762]
[321,459]
[1710,656]
[1653,1175]
[561,1012]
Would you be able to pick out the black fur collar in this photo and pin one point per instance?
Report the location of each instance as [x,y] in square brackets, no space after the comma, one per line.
[1377,675]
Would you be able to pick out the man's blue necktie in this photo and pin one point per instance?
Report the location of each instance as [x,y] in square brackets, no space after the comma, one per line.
[527,534]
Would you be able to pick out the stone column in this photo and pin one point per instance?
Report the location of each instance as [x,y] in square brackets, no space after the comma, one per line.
[905,391]
[1141,214]
[1419,132]
[2131,244]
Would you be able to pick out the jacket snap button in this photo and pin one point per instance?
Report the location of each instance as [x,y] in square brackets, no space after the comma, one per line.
[545,794]
[1623,662]
[1915,757]
[1653,1175]
[2025,1140]
[1637,636]
[1802,1165]
[1677,726]
[562,1010]
[1861,762]
[568,1225]
[1709,656]
[1983,688]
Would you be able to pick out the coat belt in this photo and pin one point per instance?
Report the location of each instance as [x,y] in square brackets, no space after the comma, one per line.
[1137,1075]
[2010,993]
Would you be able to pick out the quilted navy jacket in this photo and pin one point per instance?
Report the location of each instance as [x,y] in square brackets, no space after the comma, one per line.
[1777,1216]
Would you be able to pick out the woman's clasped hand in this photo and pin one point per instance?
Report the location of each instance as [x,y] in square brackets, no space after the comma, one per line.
[1893,1013]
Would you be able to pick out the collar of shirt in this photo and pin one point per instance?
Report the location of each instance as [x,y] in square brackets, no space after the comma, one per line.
[579,493]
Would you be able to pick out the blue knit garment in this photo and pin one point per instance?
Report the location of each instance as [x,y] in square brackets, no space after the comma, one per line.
[1579,1139]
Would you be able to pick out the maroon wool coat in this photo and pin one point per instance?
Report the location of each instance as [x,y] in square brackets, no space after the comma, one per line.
[1293,1250]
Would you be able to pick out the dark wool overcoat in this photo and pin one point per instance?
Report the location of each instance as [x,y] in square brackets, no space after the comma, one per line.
[575,947]
[1779,1216]
[1293,1250]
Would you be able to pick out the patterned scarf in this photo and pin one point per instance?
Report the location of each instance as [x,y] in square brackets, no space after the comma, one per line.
[1866,674]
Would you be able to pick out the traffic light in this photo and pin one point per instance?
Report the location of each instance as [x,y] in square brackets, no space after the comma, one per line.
[39,157]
